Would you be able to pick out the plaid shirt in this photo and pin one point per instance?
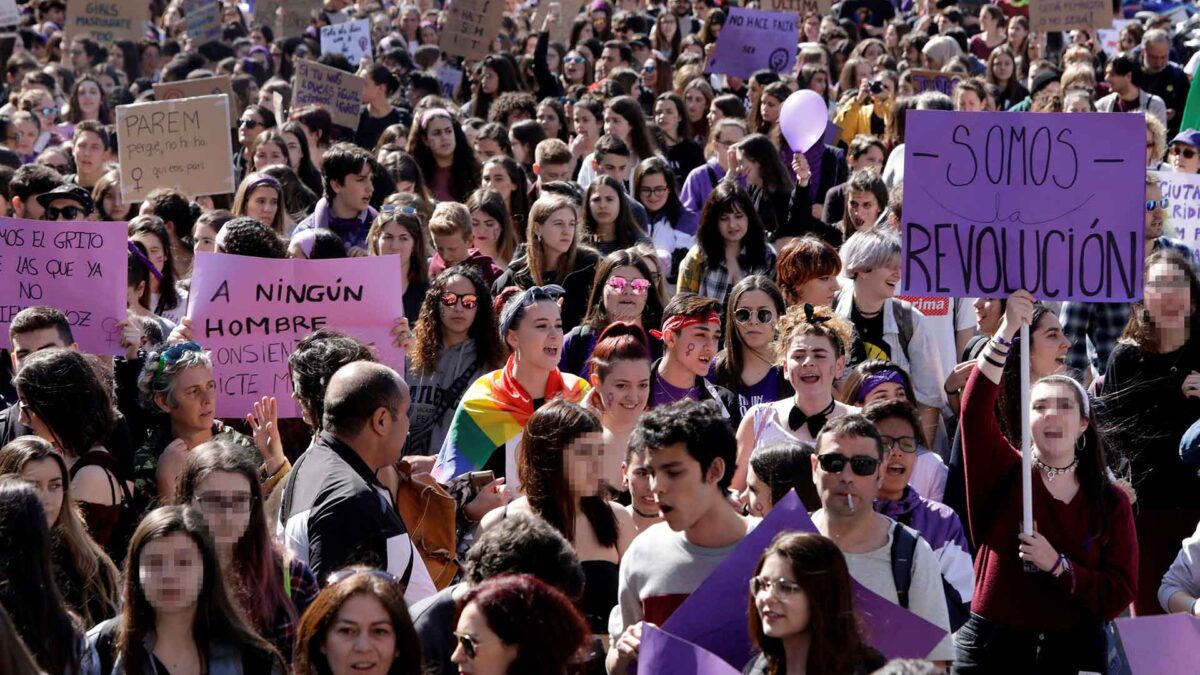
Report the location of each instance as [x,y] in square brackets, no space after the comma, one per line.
[713,282]
[1101,323]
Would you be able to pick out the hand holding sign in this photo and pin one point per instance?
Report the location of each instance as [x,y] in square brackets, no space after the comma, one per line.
[803,119]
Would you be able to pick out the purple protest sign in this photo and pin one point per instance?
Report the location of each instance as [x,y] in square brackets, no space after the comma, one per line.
[714,616]
[78,267]
[664,654]
[1163,645]
[997,202]
[752,39]
[250,317]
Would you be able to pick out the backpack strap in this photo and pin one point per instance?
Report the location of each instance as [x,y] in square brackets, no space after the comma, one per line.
[106,646]
[904,549]
[902,310]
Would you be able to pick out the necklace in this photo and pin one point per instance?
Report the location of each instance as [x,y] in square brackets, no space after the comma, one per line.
[1053,472]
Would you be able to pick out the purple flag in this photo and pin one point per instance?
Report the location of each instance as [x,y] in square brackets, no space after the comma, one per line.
[714,616]
[997,202]
[1163,645]
[664,654]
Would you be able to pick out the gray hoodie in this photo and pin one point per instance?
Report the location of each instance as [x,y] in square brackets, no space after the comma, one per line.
[436,395]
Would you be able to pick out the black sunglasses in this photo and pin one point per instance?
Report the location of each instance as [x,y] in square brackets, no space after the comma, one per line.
[861,465]
[469,644]
[65,213]
[742,315]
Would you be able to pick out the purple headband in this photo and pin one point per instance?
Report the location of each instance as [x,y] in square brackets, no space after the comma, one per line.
[872,381]
[435,112]
[137,253]
[261,180]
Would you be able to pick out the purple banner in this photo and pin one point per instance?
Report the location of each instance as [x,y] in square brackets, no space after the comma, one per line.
[752,40]
[1163,645]
[664,654]
[714,616]
[1051,203]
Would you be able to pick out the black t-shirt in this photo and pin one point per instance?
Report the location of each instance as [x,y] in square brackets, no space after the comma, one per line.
[371,128]
[868,12]
[870,335]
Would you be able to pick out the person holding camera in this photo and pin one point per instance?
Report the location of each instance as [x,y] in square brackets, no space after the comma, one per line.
[869,111]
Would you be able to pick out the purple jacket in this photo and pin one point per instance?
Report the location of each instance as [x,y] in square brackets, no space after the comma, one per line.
[939,525]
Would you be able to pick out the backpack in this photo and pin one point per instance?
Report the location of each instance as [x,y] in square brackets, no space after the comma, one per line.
[904,550]
[902,311]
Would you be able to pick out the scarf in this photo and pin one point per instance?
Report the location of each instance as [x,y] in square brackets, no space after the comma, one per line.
[493,413]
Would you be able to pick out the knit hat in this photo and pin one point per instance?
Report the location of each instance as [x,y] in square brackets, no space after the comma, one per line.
[1042,79]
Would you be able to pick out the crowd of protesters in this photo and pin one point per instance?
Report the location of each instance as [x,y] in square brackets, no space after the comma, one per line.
[635,319]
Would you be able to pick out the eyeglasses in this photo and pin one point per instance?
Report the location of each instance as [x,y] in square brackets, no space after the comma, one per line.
[66,212]
[780,588]
[653,191]
[647,68]
[469,644]
[344,574]
[250,124]
[1186,152]
[396,209]
[213,502]
[861,465]
[742,315]
[907,444]
[638,286]
[1152,204]
[467,300]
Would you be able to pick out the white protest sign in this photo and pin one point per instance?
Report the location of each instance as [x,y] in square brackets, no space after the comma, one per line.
[184,144]
[1181,215]
[450,78]
[335,90]
[352,38]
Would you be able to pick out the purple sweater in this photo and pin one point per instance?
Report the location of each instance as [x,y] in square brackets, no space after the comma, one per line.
[939,525]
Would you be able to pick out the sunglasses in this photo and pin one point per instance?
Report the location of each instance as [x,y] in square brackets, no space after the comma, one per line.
[647,69]
[861,465]
[390,209]
[65,212]
[1152,204]
[468,643]
[638,286]
[574,60]
[250,124]
[763,315]
[342,575]
[1187,153]
[467,300]
[907,444]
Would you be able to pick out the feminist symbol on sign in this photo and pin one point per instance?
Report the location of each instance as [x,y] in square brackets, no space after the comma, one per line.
[778,60]
[137,177]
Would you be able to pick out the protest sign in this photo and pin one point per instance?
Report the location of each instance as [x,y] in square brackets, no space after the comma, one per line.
[1067,15]
[1163,645]
[450,79]
[335,90]
[252,316]
[203,19]
[77,267]
[9,14]
[801,8]
[352,38]
[107,21]
[714,615]
[470,27]
[221,85]
[1181,215]
[1052,203]
[664,654]
[934,80]
[565,10]
[183,144]
[755,40]
[289,17]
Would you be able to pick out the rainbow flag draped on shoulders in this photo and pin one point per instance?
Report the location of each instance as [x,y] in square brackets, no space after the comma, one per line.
[492,414]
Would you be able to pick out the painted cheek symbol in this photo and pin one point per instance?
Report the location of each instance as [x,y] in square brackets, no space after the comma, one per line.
[691,347]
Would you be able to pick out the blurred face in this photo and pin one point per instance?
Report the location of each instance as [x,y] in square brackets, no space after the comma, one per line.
[269,154]
[539,337]
[551,172]
[748,168]
[154,249]
[625,293]
[250,126]
[604,204]
[395,239]
[846,493]
[770,109]
[637,476]
[206,238]
[491,655]
[263,204]
[558,232]
[30,342]
[654,193]
[582,457]
[624,394]
[755,316]
[1154,214]
[489,81]
[733,224]
[171,572]
[45,477]
[818,292]
[616,125]
[486,231]
[863,209]
[683,491]
[585,123]
[812,364]
[195,400]
[1003,67]
[548,118]
[1055,418]
[694,104]
[987,315]
[295,151]
[361,639]
[439,136]
[872,158]
[879,283]
[574,66]
[225,500]
[487,148]
[452,247]
[757,494]
[1184,158]
[610,59]
[1119,83]
[695,347]
[1048,350]
[614,166]
[90,94]
[88,150]
[724,139]
[666,116]
[1168,295]
[968,101]
[22,136]
[899,455]
[782,605]
[495,177]
[1156,56]
[355,192]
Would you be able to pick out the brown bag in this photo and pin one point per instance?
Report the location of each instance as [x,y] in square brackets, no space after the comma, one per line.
[428,511]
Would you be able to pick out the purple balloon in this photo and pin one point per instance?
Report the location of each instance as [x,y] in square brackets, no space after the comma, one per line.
[803,119]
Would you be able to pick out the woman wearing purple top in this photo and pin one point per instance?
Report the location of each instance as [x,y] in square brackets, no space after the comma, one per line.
[747,366]
[703,179]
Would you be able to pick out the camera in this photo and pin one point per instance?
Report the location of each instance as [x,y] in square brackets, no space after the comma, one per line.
[876,87]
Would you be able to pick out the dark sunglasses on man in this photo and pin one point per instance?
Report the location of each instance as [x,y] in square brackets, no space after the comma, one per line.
[861,465]
[66,212]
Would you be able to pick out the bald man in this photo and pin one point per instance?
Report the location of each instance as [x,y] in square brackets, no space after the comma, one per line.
[334,511]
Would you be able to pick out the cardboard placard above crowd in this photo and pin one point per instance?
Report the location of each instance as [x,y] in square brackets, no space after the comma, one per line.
[801,8]
[934,80]
[755,40]
[351,38]
[335,90]
[1052,203]
[1181,215]
[221,85]
[9,14]
[107,22]
[252,316]
[1067,15]
[567,10]
[203,19]
[289,17]
[184,144]
[470,27]
[77,267]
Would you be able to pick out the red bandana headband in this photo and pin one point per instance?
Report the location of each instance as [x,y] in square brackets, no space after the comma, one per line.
[681,321]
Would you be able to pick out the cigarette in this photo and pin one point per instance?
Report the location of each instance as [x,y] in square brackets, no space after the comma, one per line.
[849,502]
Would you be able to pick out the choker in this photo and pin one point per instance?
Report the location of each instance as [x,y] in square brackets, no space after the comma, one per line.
[1053,472]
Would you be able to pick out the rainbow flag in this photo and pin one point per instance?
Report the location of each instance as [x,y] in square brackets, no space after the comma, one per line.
[492,414]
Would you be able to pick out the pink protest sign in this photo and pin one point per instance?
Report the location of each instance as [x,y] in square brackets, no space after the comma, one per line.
[250,313]
[77,267]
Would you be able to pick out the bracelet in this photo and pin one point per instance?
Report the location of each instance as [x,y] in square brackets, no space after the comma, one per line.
[1000,339]
[1057,564]
[992,361]
[998,348]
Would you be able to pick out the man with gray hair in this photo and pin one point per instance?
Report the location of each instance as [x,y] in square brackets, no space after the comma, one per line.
[1162,78]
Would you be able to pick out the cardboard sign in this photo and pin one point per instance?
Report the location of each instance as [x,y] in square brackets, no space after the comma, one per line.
[290,18]
[1051,203]
[1163,645]
[184,144]
[934,80]
[753,40]
[1067,15]
[335,90]
[352,38]
[250,316]
[714,616]
[107,21]
[221,85]
[1181,217]
[9,14]
[567,10]
[203,19]
[664,654]
[450,79]
[470,27]
[78,267]
[801,8]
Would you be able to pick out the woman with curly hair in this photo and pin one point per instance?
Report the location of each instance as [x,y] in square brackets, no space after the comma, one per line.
[454,342]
